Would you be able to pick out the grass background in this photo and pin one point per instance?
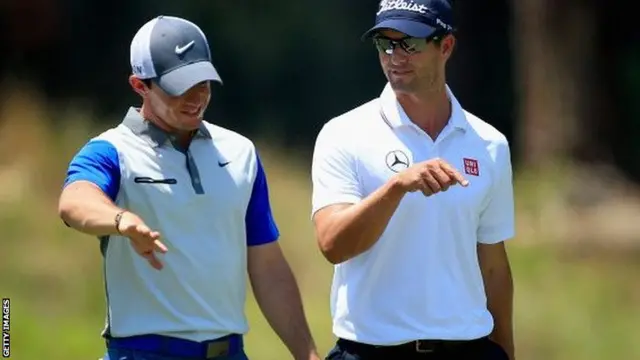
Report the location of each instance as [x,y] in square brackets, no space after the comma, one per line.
[573,300]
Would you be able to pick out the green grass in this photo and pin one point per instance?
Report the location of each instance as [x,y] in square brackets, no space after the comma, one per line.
[568,306]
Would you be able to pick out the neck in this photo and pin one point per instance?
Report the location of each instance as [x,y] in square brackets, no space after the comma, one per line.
[430,111]
[183,137]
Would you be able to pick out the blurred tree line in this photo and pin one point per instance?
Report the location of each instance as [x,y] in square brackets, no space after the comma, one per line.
[557,77]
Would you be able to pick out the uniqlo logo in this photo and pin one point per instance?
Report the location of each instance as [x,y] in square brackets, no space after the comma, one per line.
[471,167]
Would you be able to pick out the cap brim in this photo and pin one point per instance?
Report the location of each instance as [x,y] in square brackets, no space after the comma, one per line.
[178,81]
[411,28]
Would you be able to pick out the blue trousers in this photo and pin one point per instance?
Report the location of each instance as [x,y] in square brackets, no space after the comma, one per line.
[117,354]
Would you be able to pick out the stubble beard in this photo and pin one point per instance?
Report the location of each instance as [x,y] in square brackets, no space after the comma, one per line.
[418,85]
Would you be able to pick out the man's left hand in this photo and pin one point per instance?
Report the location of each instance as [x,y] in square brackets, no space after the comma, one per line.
[314,356]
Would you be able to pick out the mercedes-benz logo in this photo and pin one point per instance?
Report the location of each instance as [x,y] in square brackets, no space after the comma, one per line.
[397,160]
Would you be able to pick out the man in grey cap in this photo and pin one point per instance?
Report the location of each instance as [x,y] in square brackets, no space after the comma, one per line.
[181,208]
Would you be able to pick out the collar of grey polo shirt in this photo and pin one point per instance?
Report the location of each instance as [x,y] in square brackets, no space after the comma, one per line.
[151,132]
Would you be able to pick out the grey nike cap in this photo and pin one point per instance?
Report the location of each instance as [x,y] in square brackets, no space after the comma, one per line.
[174,52]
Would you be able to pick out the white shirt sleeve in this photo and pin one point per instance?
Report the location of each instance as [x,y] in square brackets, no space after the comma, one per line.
[497,220]
[333,170]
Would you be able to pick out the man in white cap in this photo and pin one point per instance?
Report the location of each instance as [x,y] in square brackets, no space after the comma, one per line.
[412,202]
[181,208]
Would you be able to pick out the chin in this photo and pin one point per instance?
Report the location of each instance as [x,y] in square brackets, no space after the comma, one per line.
[402,87]
[190,122]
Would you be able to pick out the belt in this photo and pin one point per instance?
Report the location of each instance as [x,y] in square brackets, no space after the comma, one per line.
[417,346]
[171,346]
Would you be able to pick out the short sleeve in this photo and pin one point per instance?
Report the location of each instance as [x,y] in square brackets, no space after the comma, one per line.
[96,162]
[260,226]
[497,220]
[333,170]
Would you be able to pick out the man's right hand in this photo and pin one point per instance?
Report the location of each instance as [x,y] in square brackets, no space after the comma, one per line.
[430,177]
[145,241]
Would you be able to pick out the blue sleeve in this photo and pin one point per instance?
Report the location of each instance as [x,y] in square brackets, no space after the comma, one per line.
[98,163]
[261,228]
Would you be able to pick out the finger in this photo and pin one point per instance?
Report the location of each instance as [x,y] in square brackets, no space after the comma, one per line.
[143,230]
[160,247]
[430,181]
[143,246]
[147,233]
[454,173]
[427,191]
[140,245]
[443,178]
[424,188]
[155,263]
[153,260]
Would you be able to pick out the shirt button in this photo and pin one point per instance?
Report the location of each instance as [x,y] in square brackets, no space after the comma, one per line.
[196,180]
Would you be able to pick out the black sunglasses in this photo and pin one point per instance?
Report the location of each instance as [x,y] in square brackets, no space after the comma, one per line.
[409,44]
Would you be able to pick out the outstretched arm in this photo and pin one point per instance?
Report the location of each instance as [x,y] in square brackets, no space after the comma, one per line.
[92,183]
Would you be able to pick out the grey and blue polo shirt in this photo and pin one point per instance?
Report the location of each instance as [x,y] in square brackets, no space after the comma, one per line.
[209,202]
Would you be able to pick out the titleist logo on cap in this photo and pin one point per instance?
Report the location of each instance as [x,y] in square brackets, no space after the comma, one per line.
[388,5]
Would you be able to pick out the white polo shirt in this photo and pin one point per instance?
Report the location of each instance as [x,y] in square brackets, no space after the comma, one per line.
[421,280]
[208,202]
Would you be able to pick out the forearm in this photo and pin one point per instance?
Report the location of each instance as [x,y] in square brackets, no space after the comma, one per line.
[499,284]
[278,296]
[353,230]
[85,208]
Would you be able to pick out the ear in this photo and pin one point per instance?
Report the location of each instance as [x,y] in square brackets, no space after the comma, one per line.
[138,86]
[447,45]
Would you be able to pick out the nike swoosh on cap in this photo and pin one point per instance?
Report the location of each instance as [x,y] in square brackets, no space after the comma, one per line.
[181,50]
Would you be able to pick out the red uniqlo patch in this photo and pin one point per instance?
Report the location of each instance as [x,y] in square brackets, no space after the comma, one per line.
[471,167]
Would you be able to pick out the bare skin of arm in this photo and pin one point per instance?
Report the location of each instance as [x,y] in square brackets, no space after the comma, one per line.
[84,207]
[345,231]
[498,282]
[278,296]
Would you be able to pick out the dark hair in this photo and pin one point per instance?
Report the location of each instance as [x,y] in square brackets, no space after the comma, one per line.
[437,37]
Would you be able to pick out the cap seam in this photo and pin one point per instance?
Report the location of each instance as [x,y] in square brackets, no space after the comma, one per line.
[148,45]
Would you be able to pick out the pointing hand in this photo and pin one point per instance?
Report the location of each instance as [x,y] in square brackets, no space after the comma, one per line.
[144,240]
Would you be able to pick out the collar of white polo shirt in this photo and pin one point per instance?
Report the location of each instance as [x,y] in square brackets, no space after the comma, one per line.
[395,116]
